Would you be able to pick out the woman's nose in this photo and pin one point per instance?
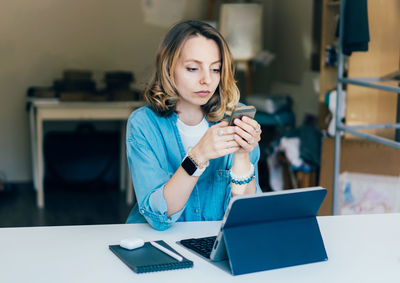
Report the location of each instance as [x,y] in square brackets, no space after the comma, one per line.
[205,77]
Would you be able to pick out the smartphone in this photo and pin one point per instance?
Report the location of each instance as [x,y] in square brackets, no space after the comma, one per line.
[239,112]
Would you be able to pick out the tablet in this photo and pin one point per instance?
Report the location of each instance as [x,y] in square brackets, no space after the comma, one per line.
[258,208]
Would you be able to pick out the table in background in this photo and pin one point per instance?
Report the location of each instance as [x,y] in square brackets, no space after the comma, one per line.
[41,110]
[362,248]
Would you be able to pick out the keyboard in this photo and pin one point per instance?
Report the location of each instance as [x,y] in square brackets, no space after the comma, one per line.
[202,246]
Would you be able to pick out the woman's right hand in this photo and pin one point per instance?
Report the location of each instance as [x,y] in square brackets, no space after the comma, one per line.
[216,142]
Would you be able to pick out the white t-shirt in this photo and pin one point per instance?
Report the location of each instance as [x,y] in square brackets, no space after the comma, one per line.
[191,135]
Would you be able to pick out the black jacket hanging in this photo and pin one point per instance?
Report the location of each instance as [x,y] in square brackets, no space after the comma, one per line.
[356,30]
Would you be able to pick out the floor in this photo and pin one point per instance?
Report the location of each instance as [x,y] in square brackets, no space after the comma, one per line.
[84,204]
[64,205]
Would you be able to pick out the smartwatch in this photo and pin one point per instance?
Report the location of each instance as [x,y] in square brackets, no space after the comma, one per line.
[191,167]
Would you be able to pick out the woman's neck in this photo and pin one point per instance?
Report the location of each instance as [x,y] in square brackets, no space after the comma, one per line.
[189,114]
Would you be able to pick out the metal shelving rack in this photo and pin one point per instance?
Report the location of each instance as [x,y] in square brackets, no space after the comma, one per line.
[377,83]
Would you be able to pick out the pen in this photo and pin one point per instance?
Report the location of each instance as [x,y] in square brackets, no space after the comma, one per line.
[167,251]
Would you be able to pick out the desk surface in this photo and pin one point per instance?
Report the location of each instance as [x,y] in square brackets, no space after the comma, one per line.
[360,249]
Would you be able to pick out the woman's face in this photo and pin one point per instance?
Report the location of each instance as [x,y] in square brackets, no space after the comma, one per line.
[197,71]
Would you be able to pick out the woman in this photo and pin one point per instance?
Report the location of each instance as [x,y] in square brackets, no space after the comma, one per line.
[185,163]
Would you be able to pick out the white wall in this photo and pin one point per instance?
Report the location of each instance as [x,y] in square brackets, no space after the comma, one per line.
[293,47]
[39,39]
[288,34]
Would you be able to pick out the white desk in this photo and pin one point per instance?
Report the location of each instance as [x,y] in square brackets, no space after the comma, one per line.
[54,110]
[360,249]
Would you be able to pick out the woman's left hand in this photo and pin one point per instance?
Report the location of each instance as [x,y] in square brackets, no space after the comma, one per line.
[247,133]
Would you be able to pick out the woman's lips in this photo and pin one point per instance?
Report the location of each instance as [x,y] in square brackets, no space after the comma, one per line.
[202,93]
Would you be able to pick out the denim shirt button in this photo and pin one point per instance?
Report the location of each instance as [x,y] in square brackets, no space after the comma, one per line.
[142,211]
[220,174]
[196,211]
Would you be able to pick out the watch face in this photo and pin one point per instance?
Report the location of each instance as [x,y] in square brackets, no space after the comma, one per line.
[189,166]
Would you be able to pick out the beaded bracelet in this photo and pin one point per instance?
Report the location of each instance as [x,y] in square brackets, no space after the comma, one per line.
[241,180]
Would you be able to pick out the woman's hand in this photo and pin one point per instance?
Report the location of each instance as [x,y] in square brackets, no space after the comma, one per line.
[247,133]
[218,141]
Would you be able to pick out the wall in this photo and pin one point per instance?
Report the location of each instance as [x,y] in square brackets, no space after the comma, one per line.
[41,38]
[290,39]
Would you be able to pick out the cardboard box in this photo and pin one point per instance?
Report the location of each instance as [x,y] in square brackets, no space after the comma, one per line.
[357,156]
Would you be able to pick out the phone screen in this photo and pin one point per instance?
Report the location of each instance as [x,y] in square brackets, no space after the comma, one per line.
[239,112]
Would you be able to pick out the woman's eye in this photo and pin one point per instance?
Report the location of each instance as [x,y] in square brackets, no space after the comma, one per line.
[216,70]
[191,69]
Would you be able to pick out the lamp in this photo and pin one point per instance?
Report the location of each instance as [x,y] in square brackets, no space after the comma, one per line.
[241,25]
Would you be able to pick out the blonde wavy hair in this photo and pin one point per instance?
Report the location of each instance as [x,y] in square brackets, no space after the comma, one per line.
[161,93]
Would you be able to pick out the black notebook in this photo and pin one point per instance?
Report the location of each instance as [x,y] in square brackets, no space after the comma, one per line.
[149,258]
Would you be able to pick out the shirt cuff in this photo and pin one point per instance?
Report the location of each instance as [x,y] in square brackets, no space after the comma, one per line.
[156,212]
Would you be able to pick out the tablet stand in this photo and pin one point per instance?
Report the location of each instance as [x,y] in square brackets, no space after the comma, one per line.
[284,232]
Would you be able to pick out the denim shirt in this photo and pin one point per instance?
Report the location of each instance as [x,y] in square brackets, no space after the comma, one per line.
[155,151]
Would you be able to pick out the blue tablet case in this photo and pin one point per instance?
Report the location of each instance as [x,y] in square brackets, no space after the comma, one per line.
[276,230]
